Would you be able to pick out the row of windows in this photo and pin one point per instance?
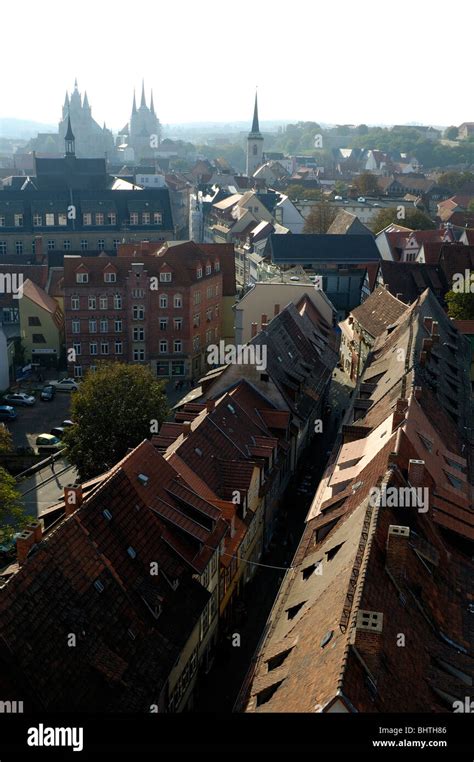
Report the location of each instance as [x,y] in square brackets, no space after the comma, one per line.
[92,302]
[93,323]
[209,311]
[210,292]
[118,345]
[51,245]
[50,219]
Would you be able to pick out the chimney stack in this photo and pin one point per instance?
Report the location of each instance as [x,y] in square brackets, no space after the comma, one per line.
[399,296]
[417,392]
[210,405]
[435,331]
[72,498]
[186,428]
[276,310]
[254,329]
[36,527]
[264,320]
[416,473]
[423,358]
[38,249]
[24,543]
[428,323]
[397,550]
[427,345]
[399,413]
[367,638]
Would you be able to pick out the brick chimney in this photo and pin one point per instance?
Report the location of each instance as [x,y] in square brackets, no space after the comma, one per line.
[423,358]
[428,323]
[417,392]
[427,345]
[367,638]
[276,310]
[254,329]
[39,249]
[399,413]
[37,528]
[397,550]
[72,498]
[416,473]
[24,542]
[435,331]
[186,428]
[210,405]
[264,320]
[399,296]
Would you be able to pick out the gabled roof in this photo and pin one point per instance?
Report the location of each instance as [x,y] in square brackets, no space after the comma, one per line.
[378,311]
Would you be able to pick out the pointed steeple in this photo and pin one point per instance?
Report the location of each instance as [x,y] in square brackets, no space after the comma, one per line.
[66,100]
[152,106]
[134,107]
[75,84]
[143,101]
[85,103]
[255,126]
[69,139]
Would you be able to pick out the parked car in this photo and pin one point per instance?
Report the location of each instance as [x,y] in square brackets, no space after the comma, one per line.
[67,423]
[7,413]
[48,443]
[47,393]
[337,198]
[65,385]
[57,432]
[361,199]
[20,398]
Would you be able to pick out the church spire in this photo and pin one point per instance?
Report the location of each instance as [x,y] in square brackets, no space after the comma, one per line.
[85,102]
[152,106]
[134,107]
[66,100]
[255,126]
[143,101]
[69,139]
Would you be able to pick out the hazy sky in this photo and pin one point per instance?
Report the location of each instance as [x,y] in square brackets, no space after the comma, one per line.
[347,61]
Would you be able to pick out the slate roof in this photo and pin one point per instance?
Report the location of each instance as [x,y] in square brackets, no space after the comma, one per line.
[346,223]
[411,279]
[307,249]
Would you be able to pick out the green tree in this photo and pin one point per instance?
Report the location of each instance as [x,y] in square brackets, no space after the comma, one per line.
[366,184]
[414,219]
[455,181]
[114,409]
[6,441]
[320,218]
[460,305]
[451,133]
[12,512]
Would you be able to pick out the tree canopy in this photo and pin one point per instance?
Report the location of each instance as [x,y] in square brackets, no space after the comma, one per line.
[414,219]
[114,409]
[12,512]
[460,305]
[320,218]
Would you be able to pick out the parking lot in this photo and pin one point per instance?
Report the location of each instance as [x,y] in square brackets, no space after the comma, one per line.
[40,418]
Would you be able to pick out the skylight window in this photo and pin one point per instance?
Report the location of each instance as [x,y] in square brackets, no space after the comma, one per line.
[453,480]
[99,586]
[455,465]
[267,693]
[277,661]
[231,408]
[198,451]
[131,552]
[426,442]
[293,610]
[106,514]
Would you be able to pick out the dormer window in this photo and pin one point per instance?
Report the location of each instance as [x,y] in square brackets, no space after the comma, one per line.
[82,277]
[199,272]
[208,269]
[110,277]
[165,277]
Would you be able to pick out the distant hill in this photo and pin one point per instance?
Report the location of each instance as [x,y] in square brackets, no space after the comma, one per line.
[23,128]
